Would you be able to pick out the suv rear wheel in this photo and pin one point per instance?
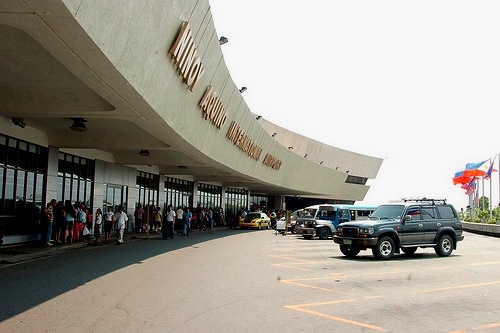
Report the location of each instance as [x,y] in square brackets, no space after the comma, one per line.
[349,251]
[384,248]
[444,246]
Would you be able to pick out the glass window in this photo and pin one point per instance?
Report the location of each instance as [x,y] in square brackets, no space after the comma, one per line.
[30,186]
[2,174]
[236,199]
[75,181]
[39,193]
[178,192]
[388,211]
[9,191]
[428,213]
[209,196]
[446,212]
[21,163]
[414,212]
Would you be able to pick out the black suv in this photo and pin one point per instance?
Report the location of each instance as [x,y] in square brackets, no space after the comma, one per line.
[403,226]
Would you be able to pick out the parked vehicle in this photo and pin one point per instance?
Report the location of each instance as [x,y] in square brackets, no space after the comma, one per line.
[298,215]
[404,226]
[327,217]
[257,220]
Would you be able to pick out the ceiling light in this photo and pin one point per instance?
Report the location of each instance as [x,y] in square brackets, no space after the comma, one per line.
[243,89]
[144,152]
[223,40]
[19,122]
[78,125]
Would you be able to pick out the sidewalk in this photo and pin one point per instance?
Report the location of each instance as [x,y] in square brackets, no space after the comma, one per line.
[17,253]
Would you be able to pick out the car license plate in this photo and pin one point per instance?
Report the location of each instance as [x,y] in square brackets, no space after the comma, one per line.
[347,241]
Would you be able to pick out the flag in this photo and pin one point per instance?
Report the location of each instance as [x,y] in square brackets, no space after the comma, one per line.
[460,178]
[476,169]
[470,186]
[490,170]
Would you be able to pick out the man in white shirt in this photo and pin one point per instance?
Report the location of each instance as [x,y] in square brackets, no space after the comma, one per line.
[168,232]
[121,219]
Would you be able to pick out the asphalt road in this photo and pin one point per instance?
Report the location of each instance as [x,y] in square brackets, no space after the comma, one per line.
[252,281]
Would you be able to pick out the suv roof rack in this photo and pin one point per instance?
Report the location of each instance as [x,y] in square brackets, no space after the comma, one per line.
[424,199]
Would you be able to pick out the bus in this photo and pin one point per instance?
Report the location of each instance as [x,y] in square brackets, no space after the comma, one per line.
[323,223]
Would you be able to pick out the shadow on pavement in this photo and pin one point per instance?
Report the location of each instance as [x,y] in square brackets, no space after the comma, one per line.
[51,273]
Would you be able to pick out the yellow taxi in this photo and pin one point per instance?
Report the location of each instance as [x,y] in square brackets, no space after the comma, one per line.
[257,220]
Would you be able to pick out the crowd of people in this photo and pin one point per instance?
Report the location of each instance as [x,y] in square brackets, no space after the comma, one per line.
[68,223]
[181,219]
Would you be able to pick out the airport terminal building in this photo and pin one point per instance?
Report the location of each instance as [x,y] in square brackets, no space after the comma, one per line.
[130,102]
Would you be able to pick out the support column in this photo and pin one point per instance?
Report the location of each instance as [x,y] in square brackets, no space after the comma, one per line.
[52,171]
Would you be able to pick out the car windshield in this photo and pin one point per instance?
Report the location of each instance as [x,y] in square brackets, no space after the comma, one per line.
[252,216]
[387,212]
[306,213]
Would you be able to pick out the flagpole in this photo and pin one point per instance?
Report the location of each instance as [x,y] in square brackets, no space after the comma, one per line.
[491,180]
[476,198]
[482,195]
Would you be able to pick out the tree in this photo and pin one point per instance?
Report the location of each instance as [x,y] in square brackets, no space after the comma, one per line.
[484,203]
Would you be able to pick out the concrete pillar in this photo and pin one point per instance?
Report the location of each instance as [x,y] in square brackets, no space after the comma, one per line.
[52,171]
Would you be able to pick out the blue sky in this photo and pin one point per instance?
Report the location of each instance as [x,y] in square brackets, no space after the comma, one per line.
[415,83]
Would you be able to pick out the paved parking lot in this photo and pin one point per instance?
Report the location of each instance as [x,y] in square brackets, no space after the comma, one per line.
[421,293]
[252,281]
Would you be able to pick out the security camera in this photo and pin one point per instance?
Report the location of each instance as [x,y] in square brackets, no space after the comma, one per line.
[18,121]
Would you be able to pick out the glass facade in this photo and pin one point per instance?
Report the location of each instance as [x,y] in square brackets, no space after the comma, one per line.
[209,196]
[147,187]
[259,202]
[23,172]
[75,179]
[236,198]
[178,192]
[115,196]
[23,177]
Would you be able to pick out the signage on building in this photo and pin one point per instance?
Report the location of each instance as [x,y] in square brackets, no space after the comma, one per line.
[238,136]
[272,162]
[190,67]
[183,51]
[213,108]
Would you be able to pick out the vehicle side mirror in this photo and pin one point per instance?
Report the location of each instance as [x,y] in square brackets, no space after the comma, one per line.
[407,218]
